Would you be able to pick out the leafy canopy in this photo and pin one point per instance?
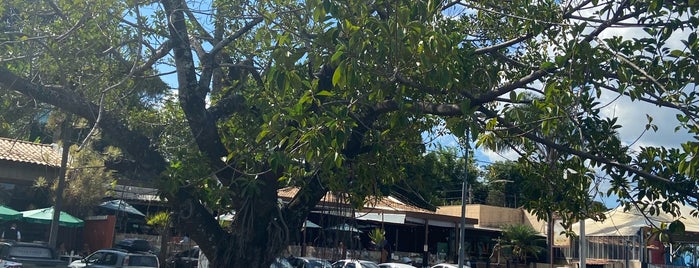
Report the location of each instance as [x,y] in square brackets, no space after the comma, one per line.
[340,96]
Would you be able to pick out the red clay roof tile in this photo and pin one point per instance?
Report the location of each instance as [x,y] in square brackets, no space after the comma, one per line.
[29,152]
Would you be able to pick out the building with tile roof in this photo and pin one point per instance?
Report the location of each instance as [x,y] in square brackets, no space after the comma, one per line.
[21,164]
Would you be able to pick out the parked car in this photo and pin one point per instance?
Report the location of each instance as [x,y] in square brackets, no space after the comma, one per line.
[184,259]
[309,262]
[105,258]
[395,265]
[134,244]
[29,255]
[10,264]
[347,263]
[281,263]
[448,265]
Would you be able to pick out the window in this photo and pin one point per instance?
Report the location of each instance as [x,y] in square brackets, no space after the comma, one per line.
[34,252]
[94,257]
[145,261]
[109,259]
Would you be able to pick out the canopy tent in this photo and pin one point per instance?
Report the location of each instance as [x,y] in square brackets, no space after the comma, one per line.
[627,223]
[45,216]
[121,206]
[8,214]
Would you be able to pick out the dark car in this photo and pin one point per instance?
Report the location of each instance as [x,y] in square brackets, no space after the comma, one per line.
[185,259]
[30,254]
[309,262]
[134,245]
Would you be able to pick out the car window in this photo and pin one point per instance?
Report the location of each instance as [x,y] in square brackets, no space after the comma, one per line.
[108,259]
[22,251]
[281,263]
[338,264]
[94,257]
[369,265]
[146,261]
[350,265]
[318,264]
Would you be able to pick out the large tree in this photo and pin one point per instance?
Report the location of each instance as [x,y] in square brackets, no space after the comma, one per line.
[338,95]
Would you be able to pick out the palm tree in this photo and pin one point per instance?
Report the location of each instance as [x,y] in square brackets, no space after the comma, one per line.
[521,242]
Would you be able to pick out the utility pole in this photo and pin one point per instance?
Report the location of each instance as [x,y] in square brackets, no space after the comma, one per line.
[58,206]
[464,192]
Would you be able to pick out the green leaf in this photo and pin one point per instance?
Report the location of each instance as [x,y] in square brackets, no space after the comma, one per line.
[339,78]
[676,227]
[262,135]
[676,53]
[548,65]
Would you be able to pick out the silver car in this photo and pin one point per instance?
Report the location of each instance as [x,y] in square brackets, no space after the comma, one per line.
[107,258]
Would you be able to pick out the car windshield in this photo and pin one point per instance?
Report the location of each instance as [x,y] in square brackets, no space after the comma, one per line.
[281,263]
[369,265]
[318,264]
[33,252]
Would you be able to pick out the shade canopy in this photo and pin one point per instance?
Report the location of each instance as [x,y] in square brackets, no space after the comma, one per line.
[45,216]
[121,206]
[310,224]
[621,222]
[8,214]
[345,227]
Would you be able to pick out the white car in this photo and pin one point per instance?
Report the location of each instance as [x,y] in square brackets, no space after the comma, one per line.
[448,265]
[9,264]
[347,263]
[395,265]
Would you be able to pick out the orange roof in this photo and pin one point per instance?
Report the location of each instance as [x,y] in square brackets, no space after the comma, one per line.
[29,152]
[386,203]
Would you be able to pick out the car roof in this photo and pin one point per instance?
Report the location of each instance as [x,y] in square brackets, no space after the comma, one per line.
[311,258]
[395,264]
[26,243]
[353,260]
[119,250]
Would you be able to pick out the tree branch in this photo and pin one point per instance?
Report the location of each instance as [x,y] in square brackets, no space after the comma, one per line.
[133,143]
[585,155]
[235,35]
[502,45]
[192,95]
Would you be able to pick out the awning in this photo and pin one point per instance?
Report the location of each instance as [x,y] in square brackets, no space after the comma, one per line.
[121,206]
[7,213]
[380,217]
[310,224]
[45,216]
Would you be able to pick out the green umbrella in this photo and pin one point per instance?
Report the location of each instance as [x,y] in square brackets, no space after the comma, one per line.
[45,216]
[8,214]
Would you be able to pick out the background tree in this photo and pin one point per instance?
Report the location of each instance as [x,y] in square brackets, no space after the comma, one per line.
[162,223]
[437,176]
[339,96]
[505,182]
